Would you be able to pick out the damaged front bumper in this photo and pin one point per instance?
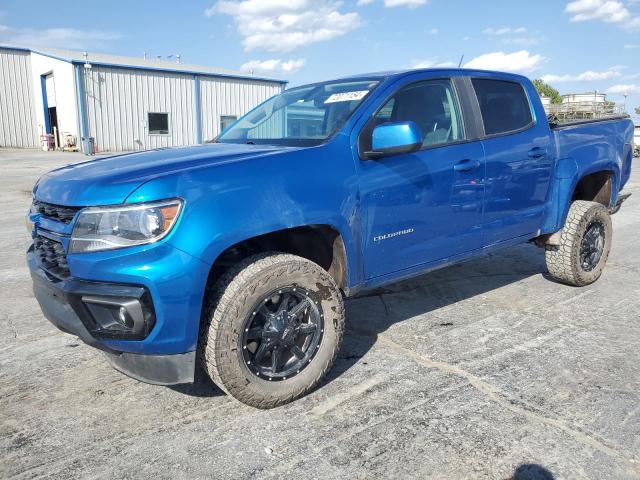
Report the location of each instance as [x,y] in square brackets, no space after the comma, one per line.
[99,313]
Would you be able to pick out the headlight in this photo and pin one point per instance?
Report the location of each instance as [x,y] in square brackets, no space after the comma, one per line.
[107,228]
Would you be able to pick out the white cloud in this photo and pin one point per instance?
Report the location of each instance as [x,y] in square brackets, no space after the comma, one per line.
[588,76]
[431,63]
[72,38]
[521,41]
[609,11]
[504,31]
[630,89]
[521,62]
[285,25]
[396,3]
[434,31]
[631,46]
[512,36]
[274,65]
[404,3]
[58,37]
[211,11]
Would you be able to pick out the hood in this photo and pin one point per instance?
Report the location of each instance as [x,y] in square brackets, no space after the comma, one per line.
[111,180]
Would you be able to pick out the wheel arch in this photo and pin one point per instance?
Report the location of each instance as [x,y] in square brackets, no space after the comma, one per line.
[596,184]
[323,244]
[596,187]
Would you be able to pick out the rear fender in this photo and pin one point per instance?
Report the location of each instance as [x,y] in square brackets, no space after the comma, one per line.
[567,175]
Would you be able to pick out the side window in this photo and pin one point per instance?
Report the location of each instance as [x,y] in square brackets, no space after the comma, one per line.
[504,105]
[385,113]
[431,105]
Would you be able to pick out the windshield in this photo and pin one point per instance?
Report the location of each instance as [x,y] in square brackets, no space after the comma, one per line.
[303,116]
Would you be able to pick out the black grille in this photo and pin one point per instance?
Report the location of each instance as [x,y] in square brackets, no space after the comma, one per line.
[56,212]
[51,256]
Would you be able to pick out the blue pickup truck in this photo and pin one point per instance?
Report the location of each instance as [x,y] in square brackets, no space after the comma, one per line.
[236,256]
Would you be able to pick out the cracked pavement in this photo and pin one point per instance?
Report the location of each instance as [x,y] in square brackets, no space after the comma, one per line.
[481,370]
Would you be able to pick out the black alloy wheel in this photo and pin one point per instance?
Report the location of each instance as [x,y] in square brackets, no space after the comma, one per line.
[592,246]
[282,333]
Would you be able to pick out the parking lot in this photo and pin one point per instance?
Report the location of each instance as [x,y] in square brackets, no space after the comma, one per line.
[482,370]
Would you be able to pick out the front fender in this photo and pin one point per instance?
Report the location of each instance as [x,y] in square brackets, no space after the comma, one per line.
[228,204]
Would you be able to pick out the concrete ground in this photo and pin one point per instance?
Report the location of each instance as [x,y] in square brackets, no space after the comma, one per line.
[481,370]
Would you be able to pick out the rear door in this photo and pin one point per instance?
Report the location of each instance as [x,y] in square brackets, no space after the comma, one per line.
[518,156]
[425,206]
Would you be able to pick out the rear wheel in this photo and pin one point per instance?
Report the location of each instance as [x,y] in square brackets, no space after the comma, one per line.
[273,329]
[585,243]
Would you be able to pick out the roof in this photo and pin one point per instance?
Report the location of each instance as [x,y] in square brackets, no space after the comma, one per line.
[444,71]
[73,56]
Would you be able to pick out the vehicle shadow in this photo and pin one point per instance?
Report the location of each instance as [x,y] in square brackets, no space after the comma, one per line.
[531,471]
[370,314]
[202,386]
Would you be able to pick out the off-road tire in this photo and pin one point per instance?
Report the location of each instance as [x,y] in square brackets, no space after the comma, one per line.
[226,311]
[563,261]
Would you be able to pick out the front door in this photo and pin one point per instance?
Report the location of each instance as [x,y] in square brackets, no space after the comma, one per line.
[422,207]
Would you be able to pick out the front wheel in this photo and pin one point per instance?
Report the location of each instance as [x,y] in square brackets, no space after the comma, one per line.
[273,329]
[585,243]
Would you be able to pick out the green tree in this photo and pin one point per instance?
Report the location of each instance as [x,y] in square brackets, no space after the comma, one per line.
[637,110]
[547,90]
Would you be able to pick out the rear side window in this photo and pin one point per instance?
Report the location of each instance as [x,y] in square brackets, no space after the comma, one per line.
[504,105]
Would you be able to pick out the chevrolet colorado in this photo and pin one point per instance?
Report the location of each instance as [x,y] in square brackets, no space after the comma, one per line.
[236,255]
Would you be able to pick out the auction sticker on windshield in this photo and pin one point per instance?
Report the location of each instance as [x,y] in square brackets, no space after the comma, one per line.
[346,96]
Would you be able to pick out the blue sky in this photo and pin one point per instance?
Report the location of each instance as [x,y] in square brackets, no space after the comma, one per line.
[578,46]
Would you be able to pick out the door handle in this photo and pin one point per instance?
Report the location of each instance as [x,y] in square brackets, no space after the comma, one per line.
[466,165]
[537,152]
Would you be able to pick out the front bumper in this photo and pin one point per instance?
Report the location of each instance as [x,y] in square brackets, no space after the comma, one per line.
[155,369]
[62,303]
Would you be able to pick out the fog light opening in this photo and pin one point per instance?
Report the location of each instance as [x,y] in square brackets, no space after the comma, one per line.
[124,318]
[119,317]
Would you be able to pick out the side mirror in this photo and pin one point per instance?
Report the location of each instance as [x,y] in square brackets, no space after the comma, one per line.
[394,139]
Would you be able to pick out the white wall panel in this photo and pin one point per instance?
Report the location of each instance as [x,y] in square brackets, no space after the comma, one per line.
[17,114]
[118,101]
[230,96]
